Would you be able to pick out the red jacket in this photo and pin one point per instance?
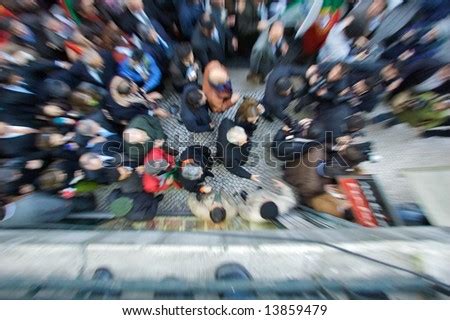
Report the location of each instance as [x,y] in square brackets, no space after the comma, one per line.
[150,182]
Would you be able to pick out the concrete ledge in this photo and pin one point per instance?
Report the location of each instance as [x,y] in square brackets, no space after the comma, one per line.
[157,255]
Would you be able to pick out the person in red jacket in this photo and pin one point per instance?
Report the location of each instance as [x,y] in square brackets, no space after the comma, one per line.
[159,169]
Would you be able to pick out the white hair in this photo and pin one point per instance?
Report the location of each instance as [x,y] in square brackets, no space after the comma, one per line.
[236,134]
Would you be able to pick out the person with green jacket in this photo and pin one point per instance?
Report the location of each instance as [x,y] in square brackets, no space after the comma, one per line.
[141,135]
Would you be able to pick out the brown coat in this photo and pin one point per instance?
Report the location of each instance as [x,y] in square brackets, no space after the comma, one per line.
[302,175]
[217,102]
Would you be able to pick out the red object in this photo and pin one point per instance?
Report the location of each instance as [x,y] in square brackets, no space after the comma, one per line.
[4,12]
[74,47]
[150,182]
[315,37]
[360,206]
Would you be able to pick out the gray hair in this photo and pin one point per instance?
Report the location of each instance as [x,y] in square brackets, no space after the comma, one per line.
[236,134]
[192,172]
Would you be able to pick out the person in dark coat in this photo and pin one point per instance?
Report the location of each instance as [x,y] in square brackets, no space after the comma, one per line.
[251,19]
[267,52]
[46,36]
[135,14]
[142,134]
[17,99]
[183,69]
[194,110]
[233,149]
[125,102]
[195,166]
[135,206]
[94,67]
[16,139]
[295,139]
[279,91]
[248,115]
[165,12]
[208,41]
[160,49]
[40,208]
[189,12]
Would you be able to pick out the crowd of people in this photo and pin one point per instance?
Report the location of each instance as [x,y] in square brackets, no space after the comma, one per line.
[81,83]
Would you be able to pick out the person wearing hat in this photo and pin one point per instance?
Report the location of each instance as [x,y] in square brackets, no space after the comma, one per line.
[208,41]
[135,206]
[195,166]
[263,205]
[213,206]
[142,69]
[217,87]
[159,169]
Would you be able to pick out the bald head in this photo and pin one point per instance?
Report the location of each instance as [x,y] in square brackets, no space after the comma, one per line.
[135,136]
[218,76]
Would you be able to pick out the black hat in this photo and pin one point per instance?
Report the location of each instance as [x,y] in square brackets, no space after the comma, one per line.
[218,215]
[57,89]
[283,84]
[269,210]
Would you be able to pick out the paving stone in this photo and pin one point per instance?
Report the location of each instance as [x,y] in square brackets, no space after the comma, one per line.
[400,146]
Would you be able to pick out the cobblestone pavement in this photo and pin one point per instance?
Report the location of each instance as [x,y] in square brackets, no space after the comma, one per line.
[399,146]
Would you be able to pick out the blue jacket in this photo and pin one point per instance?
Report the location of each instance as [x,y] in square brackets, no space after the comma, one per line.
[197,120]
[126,70]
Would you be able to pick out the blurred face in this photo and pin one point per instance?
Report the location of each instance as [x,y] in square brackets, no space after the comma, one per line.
[253,119]
[3,128]
[376,8]
[287,92]
[189,59]
[152,36]
[360,87]
[54,25]
[389,72]
[56,139]
[18,28]
[92,164]
[276,32]
[53,111]
[135,5]
[203,101]
[444,73]
[335,73]
[97,62]
[218,3]
[136,136]
[30,4]
[14,79]
[88,6]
